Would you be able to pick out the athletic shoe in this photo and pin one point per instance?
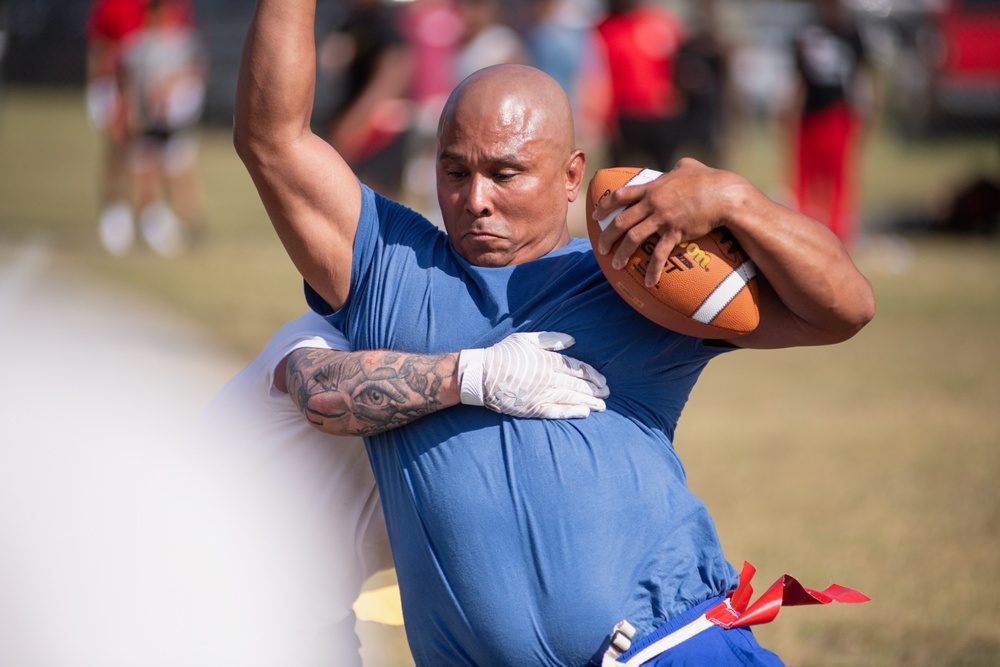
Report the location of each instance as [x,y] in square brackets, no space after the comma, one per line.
[162,230]
[116,228]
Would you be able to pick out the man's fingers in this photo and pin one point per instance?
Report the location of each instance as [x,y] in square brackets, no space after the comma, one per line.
[525,375]
[633,237]
[563,411]
[620,199]
[568,385]
[615,215]
[583,403]
[551,340]
[593,403]
[584,372]
[661,253]
[605,222]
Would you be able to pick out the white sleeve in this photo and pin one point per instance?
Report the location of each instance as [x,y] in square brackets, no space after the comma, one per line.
[253,387]
[309,330]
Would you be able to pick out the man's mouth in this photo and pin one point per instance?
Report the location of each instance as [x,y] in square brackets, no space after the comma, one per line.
[480,235]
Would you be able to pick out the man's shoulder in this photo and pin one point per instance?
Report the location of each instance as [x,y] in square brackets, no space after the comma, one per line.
[397,233]
[576,247]
[392,211]
[394,220]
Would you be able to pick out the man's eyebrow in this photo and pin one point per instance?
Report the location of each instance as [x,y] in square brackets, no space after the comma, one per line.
[511,159]
[450,155]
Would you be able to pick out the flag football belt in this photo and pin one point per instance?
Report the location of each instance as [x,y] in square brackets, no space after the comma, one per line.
[735,611]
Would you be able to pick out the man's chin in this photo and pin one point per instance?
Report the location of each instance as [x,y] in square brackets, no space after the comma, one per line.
[485,254]
[488,260]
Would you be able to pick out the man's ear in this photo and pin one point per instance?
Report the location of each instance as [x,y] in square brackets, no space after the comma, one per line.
[576,167]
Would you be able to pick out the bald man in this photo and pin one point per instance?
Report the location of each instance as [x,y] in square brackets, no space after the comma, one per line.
[521,541]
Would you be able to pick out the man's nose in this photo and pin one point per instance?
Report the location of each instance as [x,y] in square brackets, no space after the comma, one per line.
[478,202]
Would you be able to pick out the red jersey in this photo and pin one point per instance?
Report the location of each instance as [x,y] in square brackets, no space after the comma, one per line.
[113,20]
[641,48]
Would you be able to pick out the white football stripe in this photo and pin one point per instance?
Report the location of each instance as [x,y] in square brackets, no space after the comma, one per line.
[643,177]
[725,292]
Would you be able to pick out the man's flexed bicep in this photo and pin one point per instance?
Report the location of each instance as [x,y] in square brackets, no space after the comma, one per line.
[310,193]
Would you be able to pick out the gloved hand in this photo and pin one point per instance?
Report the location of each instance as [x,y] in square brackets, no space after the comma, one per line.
[523,376]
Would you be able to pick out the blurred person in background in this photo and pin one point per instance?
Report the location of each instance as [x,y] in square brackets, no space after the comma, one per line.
[834,100]
[562,42]
[488,39]
[702,80]
[369,58]
[642,39]
[449,40]
[433,29]
[557,38]
[109,23]
[164,73]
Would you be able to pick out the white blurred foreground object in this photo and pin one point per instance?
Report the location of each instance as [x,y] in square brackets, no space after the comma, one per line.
[121,542]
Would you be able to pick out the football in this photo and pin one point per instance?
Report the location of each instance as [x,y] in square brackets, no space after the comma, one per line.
[708,288]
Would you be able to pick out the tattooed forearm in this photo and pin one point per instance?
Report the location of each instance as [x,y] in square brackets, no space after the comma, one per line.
[362,393]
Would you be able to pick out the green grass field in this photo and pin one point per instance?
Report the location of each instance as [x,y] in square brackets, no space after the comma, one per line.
[872,464]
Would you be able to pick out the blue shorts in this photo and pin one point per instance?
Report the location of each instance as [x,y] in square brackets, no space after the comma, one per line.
[714,646]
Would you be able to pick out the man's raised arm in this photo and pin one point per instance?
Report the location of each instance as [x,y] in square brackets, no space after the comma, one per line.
[310,193]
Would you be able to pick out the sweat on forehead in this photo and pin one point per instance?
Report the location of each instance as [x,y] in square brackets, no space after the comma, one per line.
[512,91]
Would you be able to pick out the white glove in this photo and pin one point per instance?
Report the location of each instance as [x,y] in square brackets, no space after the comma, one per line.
[522,376]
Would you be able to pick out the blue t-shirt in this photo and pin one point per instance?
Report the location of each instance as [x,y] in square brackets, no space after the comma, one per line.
[523,541]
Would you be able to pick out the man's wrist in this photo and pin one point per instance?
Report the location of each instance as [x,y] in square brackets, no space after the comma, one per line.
[470,376]
[742,206]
